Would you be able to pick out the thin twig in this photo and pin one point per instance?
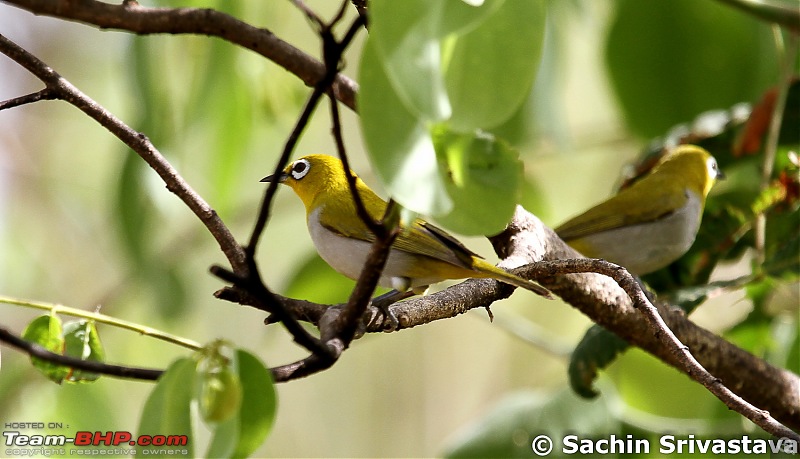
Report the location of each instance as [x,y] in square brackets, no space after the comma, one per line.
[361,210]
[288,148]
[331,58]
[787,56]
[108,320]
[44,94]
[345,326]
[347,322]
[291,142]
[324,351]
[265,300]
[362,9]
[310,14]
[385,232]
[37,351]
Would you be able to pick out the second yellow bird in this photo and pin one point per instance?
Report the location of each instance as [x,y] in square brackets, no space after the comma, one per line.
[652,223]
[421,255]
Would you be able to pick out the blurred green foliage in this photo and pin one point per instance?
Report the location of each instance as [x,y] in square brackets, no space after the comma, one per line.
[670,61]
[526,71]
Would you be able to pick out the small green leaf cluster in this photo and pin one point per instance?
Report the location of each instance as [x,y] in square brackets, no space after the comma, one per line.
[235,396]
[76,338]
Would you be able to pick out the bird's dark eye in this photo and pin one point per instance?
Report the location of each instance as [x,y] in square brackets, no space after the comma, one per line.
[713,169]
[300,168]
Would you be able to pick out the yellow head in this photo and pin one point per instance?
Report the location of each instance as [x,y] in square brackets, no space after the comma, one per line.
[319,181]
[313,178]
[694,166]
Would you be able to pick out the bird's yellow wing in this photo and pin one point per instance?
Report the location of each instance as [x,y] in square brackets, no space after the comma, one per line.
[426,239]
[421,237]
[635,205]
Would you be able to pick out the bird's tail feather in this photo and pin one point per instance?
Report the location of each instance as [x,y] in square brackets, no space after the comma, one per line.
[504,276]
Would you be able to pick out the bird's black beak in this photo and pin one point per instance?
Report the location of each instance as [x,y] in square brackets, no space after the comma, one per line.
[280,178]
[721,175]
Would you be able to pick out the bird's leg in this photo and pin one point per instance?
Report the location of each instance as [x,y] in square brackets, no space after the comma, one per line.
[402,290]
[383,302]
[389,298]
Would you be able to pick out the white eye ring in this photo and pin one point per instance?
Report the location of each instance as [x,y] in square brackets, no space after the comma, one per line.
[713,168]
[300,168]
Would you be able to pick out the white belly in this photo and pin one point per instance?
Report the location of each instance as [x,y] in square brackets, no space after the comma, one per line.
[347,256]
[651,246]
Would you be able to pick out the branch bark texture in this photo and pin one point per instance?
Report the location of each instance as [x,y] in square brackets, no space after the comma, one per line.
[539,254]
[771,388]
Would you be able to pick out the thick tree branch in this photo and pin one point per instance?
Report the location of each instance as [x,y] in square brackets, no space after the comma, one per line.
[131,16]
[768,387]
[528,240]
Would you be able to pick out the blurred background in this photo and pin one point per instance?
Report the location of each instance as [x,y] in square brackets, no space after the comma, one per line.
[84,223]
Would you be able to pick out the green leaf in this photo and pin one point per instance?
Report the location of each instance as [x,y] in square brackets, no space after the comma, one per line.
[597,350]
[167,409]
[225,439]
[487,87]
[669,61]
[246,427]
[408,32]
[462,17]
[82,341]
[46,332]
[220,395]
[398,142]
[259,403]
[508,430]
[638,375]
[483,176]
[403,91]
[407,37]
[242,434]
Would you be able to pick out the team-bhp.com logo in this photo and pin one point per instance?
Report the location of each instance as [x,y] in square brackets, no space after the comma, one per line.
[84,438]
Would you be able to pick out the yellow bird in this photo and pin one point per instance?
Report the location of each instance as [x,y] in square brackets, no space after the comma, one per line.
[655,221]
[421,255]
